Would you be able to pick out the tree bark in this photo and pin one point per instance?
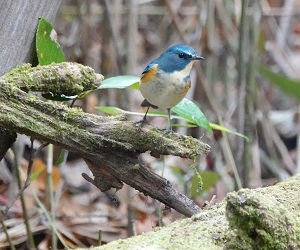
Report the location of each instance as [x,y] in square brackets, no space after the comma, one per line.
[7,138]
[19,20]
[262,218]
[110,145]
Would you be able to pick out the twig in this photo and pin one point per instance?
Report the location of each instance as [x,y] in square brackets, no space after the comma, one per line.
[253,32]
[272,138]
[272,165]
[20,194]
[131,230]
[50,192]
[11,245]
[113,31]
[241,83]
[100,238]
[229,157]
[176,21]
[27,181]
[132,37]
[41,205]
[159,207]
[208,204]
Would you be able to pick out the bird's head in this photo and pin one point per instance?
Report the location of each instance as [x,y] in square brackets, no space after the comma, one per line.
[177,58]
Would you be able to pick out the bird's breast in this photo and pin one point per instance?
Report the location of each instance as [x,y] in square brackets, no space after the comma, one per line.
[166,90]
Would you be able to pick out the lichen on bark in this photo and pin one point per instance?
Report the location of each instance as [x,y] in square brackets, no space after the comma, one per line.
[57,78]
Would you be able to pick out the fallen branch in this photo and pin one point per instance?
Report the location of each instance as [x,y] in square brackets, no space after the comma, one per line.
[111,145]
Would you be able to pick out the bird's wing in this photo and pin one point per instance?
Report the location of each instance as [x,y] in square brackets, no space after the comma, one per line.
[149,72]
[149,75]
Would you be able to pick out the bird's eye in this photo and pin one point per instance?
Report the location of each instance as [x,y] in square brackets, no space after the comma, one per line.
[181,55]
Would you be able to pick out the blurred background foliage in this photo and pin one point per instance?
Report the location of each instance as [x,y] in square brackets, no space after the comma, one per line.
[242,42]
[249,83]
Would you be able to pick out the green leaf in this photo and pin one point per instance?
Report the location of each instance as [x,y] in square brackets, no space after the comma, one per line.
[36,173]
[135,86]
[261,42]
[47,47]
[84,94]
[209,178]
[110,110]
[221,128]
[120,82]
[61,157]
[177,125]
[190,111]
[116,111]
[289,86]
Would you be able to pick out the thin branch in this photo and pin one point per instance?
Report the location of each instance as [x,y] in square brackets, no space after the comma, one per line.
[27,181]
[176,21]
[21,195]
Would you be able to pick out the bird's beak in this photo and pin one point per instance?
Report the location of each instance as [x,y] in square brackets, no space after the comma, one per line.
[196,57]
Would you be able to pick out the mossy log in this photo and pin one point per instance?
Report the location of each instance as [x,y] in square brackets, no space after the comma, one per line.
[263,219]
[110,144]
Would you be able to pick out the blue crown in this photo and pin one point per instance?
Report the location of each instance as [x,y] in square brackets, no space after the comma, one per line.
[176,58]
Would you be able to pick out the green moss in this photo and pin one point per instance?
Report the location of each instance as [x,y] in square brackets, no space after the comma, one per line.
[73,113]
[33,99]
[51,78]
[17,71]
[192,233]
[262,221]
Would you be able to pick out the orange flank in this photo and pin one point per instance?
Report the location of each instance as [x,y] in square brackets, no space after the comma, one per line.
[186,89]
[150,74]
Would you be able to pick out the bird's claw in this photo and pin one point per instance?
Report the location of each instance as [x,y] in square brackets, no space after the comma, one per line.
[141,123]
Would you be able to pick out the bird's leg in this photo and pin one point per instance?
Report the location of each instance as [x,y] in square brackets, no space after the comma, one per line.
[145,116]
[170,121]
[144,120]
[168,130]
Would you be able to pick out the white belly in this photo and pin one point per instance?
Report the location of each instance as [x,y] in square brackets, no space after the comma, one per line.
[168,91]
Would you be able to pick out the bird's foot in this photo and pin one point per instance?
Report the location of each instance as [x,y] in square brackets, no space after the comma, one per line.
[141,123]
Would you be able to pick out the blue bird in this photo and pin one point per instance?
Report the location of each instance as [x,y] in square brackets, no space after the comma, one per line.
[166,80]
